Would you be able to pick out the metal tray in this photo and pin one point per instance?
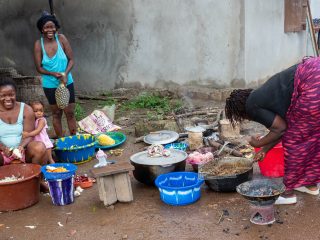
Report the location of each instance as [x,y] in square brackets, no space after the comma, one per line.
[161,137]
[144,159]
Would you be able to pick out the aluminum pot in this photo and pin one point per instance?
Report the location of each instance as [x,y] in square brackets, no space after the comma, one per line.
[147,169]
[228,183]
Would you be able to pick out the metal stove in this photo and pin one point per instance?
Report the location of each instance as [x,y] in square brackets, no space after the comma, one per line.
[262,194]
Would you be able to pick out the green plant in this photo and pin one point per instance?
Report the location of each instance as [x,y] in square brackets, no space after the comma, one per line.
[177,104]
[79,112]
[149,101]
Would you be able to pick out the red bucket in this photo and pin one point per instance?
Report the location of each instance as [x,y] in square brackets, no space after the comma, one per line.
[273,163]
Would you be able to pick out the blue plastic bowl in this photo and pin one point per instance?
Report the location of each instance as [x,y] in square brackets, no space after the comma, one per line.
[75,149]
[179,146]
[49,176]
[179,188]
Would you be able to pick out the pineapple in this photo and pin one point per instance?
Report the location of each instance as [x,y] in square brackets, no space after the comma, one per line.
[105,140]
[62,96]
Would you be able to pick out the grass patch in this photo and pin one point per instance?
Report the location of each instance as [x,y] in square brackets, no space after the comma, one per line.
[158,105]
[79,112]
[148,101]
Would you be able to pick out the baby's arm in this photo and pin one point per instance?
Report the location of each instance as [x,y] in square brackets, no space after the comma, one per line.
[35,132]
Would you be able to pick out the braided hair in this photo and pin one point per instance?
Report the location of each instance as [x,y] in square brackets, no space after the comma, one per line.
[46,17]
[235,108]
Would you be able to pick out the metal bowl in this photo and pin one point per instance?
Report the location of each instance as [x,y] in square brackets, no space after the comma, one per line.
[147,169]
[228,183]
[261,190]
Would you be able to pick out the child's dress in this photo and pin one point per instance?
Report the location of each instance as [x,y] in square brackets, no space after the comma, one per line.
[43,135]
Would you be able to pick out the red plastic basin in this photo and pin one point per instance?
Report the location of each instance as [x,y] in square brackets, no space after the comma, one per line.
[273,163]
[22,193]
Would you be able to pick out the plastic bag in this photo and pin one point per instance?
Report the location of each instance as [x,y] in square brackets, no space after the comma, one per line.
[97,122]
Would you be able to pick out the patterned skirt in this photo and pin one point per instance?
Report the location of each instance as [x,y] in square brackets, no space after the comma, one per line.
[302,139]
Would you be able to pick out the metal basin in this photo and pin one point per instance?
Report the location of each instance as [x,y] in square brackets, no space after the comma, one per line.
[228,183]
[147,169]
[261,190]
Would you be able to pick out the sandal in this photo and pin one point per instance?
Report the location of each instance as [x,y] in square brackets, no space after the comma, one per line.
[307,190]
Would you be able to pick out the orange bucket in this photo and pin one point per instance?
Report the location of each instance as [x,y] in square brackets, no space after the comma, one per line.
[273,163]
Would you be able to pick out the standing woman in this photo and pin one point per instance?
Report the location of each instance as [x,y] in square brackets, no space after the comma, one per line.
[288,104]
[53,58]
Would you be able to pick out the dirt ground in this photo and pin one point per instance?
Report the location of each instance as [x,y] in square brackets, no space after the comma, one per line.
[214,216]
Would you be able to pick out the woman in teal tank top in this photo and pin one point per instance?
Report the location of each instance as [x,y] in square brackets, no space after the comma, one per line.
[54,60]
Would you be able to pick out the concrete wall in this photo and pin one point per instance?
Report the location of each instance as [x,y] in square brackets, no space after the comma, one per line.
[268,49]
[100,34]
[187,42]
[315,8]
[120,43]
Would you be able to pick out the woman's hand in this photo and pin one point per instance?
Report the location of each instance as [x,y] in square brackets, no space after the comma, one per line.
[18,153]
[63,78]
[259,156]
[254,141]
[25,135]
[21,149]
[57,74]
[7,152]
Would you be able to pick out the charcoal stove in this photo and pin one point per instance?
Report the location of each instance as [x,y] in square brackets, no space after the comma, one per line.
[262,194]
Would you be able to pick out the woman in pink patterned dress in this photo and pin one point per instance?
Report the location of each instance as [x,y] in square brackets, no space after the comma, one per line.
[288,104]
[40,132]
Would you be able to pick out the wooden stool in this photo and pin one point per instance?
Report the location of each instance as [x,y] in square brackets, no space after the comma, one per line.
[114,183]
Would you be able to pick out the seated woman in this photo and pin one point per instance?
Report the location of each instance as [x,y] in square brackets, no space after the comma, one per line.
[16,117]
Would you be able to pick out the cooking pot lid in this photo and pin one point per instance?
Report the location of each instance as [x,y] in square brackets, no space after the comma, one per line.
[196,129]
[143,158]
[161,137]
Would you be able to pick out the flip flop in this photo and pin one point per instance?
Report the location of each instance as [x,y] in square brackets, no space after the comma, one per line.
[307,190]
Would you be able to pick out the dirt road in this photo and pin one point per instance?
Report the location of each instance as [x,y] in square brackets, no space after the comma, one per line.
[149,218]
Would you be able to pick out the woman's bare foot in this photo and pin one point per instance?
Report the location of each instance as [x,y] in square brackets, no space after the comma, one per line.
[49,154]
[312,188]
[288,193]
[51,161]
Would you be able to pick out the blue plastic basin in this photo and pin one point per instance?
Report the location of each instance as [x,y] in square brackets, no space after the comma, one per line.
[179,188]
[75,149]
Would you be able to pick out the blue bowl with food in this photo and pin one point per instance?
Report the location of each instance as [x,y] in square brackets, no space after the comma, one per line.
[75,149]
[179,188]
[50,175]
[179,146]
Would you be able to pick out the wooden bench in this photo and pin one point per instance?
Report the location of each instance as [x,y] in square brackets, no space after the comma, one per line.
[114,183]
